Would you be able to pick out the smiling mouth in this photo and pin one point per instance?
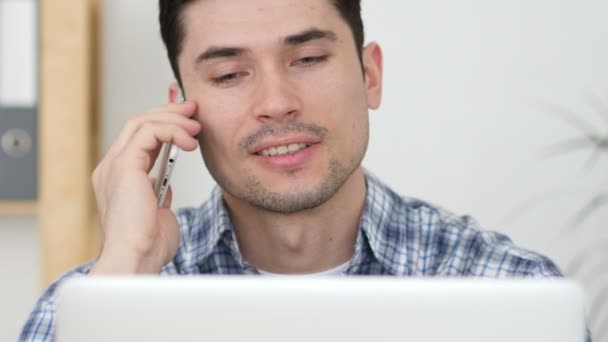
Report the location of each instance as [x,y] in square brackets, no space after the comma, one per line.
[282,150]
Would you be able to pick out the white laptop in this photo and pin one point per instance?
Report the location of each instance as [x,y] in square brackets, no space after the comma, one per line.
[354,309]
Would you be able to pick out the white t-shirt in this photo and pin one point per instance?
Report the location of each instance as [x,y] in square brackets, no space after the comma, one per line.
[337,271]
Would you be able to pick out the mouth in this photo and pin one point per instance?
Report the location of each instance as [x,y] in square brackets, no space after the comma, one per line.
[283,150]
[287,153]
[284,146]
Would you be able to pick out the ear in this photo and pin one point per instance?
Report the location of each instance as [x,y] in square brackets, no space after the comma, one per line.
[372,61]
[174,91]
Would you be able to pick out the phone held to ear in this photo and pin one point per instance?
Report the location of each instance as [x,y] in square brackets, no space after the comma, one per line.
[169,154]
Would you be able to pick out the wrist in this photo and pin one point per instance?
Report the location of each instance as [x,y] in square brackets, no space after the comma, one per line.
[123,262]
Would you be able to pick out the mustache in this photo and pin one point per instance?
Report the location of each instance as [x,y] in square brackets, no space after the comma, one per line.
[282,129]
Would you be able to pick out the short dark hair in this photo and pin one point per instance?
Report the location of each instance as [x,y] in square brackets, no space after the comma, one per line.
[172,30]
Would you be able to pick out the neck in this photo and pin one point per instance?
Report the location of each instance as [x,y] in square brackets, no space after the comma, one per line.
[310,241]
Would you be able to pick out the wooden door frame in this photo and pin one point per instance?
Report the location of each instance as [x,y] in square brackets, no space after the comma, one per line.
[68,131]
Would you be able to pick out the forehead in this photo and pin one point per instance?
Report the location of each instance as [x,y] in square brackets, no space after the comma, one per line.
[252,22]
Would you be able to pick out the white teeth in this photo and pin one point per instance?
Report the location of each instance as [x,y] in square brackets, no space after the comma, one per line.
[281,150]
[295,147]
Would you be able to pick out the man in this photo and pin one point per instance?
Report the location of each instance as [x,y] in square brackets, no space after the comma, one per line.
[278,97]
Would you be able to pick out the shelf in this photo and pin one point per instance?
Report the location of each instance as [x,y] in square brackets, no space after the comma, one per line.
[18,208]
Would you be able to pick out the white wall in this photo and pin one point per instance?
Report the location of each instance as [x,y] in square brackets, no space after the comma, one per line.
[466,86]
[470,88]
[20,267]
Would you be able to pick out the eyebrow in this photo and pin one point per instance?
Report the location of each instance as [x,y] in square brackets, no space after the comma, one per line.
[308,35]
[220,52]
[216,52]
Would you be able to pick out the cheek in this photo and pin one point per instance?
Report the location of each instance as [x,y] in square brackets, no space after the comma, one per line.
[343,101]
[219,122]
[342,89]
[348,113]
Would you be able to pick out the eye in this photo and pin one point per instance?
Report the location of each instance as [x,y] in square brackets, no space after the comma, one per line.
[227,79]
[310,60]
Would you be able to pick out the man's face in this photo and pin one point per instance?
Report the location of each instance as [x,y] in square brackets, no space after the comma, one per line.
[282,98]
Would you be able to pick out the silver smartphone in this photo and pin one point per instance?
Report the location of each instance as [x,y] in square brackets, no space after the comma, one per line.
[169,154]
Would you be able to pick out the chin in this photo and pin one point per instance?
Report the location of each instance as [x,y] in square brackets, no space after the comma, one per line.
[290,179]
[289,193]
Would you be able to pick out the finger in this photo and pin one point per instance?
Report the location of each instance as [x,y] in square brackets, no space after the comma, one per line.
[153,181]
[173,112]
[152,135]
[143,149]
[187,109]
[134,124]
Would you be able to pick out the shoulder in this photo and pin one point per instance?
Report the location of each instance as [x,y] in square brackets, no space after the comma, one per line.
[429,240]
[40,325]
[463,247]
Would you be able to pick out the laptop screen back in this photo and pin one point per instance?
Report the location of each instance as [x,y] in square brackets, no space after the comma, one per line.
[365,309]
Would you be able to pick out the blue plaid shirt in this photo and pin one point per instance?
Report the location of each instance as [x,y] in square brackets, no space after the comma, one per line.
[398,236]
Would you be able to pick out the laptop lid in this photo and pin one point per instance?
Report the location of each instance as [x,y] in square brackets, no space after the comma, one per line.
[358,309]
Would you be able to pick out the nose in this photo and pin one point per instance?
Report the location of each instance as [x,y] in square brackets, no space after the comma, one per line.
[276,98]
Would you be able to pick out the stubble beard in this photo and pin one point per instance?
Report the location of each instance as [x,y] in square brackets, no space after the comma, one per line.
[299,198]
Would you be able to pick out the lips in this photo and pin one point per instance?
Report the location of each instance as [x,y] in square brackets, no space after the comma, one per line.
[282,150]
[283,146]
[291,153]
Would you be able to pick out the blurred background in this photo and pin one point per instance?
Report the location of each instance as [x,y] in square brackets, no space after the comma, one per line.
[494,109]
